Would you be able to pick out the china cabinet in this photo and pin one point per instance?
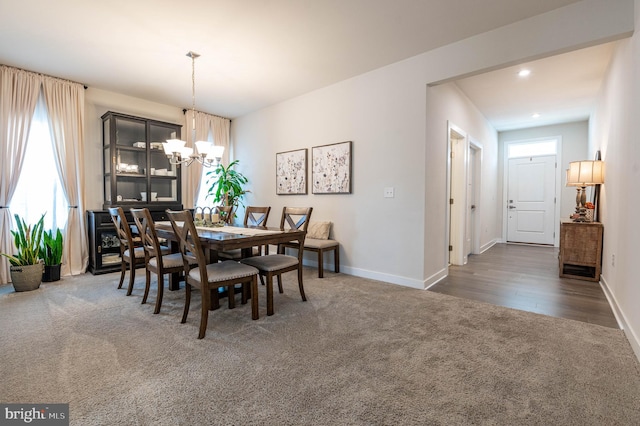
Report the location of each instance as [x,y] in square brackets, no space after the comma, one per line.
[137,173]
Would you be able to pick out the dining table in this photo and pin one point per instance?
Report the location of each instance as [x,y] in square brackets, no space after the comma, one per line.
[229,237]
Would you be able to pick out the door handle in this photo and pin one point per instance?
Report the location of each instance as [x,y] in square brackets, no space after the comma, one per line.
[512,207]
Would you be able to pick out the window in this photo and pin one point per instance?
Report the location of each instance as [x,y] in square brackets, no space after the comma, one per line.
[532,149]
[39,189]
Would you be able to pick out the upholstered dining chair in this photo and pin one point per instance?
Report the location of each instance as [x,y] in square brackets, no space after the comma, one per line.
[276,264]
[209,277]
[158,259]
[253,216]
[131,250]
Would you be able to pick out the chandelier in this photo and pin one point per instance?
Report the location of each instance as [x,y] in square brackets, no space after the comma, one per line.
[206,153]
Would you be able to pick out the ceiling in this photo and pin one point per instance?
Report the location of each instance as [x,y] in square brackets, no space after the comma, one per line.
[255,53]
[559,89]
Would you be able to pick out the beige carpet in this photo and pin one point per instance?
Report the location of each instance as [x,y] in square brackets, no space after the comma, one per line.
[359,352]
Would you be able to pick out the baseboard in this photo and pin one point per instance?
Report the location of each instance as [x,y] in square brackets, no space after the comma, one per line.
[488,245]
[631,335]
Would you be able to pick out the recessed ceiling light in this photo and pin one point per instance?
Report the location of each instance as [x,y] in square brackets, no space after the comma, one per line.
[535,115]
[524,73]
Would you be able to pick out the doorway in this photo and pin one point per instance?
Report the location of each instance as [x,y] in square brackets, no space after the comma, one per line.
[465,166]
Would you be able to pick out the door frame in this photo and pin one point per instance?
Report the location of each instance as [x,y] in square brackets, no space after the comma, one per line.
[477,189]
[458,176]
[558,186]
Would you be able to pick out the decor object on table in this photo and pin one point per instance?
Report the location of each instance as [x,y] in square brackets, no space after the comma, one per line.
[26,266]
[206,153]
[227,185]
[51,255]
[331,168]
[582,174]
[291,172]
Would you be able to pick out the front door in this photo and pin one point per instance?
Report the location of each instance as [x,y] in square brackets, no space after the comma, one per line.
[531,200]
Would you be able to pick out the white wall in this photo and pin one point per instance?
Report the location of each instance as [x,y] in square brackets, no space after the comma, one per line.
[575,141]
[398,142]
[614,130]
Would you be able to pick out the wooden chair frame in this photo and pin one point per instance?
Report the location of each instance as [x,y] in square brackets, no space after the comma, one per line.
[132,254]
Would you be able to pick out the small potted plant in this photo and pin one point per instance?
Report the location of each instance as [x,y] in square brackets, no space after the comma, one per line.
[51,255]
[227,186]
[26,265]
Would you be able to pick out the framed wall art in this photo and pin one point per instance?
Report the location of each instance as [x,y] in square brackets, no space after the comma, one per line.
[291,172]
[331,168]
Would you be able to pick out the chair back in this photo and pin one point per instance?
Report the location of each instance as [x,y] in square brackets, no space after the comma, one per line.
[256,216]
[147,231]
[295,218]
[189,241]
[225,213]
[123,229]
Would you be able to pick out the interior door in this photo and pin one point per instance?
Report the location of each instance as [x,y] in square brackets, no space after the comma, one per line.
[531,199]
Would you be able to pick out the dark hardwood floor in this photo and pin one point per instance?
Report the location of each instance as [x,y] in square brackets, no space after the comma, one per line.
[526,278]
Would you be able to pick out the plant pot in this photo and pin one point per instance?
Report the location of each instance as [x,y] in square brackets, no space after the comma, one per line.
[51,273]
[26,278]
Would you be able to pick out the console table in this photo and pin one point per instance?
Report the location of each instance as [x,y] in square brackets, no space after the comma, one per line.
[580,250]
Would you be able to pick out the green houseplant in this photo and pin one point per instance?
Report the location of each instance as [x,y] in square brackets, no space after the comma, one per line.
[227,185]
[26,266]
[51,255]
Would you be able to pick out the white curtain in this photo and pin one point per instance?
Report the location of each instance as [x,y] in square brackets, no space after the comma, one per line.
[65,108]
[19,92]
[205,125]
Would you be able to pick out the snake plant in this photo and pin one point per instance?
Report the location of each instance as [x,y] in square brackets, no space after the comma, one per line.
[52,248]
[28,241]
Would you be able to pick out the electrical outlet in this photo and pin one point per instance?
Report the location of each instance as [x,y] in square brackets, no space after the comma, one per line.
[389,192]
[613,260]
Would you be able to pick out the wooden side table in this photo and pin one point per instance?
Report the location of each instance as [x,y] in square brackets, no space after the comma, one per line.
[580,250]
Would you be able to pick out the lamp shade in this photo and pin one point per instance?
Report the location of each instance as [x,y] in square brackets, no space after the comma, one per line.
[585,173]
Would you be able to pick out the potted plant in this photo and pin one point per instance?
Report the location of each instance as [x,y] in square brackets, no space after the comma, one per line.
[227,185]
[26,266]
[51,252]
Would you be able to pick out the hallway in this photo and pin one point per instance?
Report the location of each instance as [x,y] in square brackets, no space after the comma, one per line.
[526,278]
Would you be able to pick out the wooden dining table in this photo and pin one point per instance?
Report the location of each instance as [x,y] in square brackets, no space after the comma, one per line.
[229,237]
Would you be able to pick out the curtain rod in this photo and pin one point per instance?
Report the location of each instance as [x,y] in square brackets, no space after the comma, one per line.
[184,111]
[46,75]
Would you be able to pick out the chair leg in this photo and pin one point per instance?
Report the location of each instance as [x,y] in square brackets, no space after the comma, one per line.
[280,290]
[204,317]
[336,258]
[231,296]
[254,298]
[204,311]
[320,264]
[269,294]
[123,269]
[160,292]
[187,302]
[132,276]
[304,298]
[245,293]
[147,284]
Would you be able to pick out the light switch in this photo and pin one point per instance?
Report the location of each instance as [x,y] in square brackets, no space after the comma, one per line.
[389,192]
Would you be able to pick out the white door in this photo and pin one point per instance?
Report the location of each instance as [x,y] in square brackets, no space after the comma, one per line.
[531,200]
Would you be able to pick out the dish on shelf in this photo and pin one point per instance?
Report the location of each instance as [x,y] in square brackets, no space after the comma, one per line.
[165,199]
[156,145]
[140,144]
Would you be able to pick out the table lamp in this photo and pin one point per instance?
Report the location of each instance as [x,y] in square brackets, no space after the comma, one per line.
[582,174]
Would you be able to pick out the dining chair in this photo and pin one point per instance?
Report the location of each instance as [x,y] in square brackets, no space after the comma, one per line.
[253,216]
[158,258]
[276,264]
[131,250]
[209,277]
[225,213]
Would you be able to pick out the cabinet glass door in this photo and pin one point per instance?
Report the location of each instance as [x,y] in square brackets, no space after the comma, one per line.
[131,159]
[162,174]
